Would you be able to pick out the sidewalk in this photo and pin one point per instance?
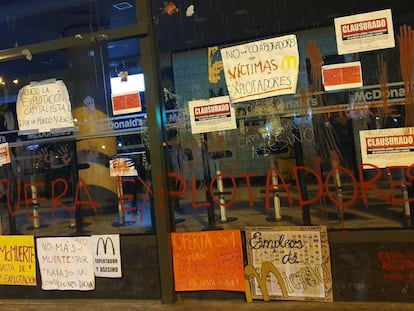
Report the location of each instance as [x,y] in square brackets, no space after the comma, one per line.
[192,305]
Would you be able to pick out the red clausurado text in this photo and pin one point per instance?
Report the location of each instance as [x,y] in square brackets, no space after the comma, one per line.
[325,186]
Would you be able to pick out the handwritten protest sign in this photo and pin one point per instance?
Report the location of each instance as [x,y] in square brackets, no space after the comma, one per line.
[261,69]
[288,263]
[65,263]
[17,260]
[209,260]
[43,106]
[106,254]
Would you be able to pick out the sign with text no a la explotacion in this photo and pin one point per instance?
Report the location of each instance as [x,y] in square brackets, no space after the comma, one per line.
[43,107]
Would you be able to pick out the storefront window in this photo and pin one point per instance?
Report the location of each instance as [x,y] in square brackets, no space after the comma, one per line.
[293,159]
[92,175]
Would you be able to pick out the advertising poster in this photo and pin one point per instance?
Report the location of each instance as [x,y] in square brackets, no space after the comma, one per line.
[43,107]
[208,260]
[106,252]
[17,260]
[342,76]
[289,263]
[215,114]
[387,147]
[65,263]
[364,32]
[261,69]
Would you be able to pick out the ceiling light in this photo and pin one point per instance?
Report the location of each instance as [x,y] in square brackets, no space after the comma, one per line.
[122,5]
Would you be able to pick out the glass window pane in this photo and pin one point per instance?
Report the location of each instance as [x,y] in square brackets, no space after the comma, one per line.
[94,176]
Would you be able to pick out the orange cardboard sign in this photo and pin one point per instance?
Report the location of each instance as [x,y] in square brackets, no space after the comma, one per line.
[208,260]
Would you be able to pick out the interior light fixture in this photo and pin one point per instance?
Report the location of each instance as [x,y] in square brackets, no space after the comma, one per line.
[124,5]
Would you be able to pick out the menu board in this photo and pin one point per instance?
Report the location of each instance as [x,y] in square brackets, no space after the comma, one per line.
[288,263]
[208,260]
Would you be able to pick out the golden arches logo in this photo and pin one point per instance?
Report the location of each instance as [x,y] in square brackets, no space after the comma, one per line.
[266,269]
[105,245]
[289,62]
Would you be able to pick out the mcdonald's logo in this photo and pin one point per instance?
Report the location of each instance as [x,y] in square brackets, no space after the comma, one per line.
[105,245]
[289,62]
[267,267]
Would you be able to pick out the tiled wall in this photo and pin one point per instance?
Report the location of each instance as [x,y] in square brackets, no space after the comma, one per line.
[191,82]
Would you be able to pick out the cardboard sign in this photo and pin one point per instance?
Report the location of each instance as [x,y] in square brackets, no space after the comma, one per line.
[261,69]
[17,260]
[288,263]
[208,260]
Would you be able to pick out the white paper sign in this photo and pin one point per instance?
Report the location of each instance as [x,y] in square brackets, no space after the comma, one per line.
[44,106]
[364,32]
[387,147]
[215,114]
[106,252]
[261,69]
[66,263]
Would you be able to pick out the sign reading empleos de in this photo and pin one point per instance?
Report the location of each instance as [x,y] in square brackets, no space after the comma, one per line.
[261,69]
[43,107]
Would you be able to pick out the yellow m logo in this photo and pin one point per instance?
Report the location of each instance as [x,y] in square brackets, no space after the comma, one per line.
[267,267]
[289,62]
